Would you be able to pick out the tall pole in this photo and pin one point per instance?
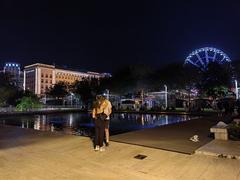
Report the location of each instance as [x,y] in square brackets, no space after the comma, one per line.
[24,80]
[107,91]
[166,101]
[45,98]
[236,89]
[71,99]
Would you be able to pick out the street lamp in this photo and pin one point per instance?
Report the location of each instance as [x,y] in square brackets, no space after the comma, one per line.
[71,98]
[107,93]
[236,89]
[165,91]
[45,98]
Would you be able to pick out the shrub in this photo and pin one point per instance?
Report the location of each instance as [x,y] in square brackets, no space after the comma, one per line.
[27,103]
[234,131]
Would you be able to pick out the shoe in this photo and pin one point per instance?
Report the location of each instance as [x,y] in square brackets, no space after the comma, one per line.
[96,148]
[101,149]
[107,144]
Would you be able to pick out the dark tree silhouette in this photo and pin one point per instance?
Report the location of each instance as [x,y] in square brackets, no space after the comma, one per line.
[216,80]
[87,89]
[59,90]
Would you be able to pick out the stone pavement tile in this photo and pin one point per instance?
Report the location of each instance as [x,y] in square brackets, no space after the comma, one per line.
[172,137]
[72,157]
[221,148]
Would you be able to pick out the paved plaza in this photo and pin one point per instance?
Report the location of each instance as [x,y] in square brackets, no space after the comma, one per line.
[28,154]
[172,137]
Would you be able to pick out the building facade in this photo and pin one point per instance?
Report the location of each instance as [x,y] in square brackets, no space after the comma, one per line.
[38,77]
[16,75]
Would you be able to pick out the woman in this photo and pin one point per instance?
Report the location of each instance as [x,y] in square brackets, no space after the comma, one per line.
[99,115]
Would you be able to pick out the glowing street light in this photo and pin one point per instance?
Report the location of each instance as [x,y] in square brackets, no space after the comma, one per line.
[165,91]
[236,88]
[107,94]
[71,95]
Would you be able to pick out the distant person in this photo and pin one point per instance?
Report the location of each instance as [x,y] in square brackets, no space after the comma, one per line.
[101,112]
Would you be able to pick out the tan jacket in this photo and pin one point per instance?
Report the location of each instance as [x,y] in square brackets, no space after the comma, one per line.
[106,108]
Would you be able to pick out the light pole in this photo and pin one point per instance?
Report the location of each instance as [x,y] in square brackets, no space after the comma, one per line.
[45,98]
[142,97]
[165,91]
[71,98]
[236,89]
[107,92]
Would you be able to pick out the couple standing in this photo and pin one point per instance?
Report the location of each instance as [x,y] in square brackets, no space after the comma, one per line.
[102,109]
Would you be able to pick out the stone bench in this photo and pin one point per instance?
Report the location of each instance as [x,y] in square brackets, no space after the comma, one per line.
[220,133]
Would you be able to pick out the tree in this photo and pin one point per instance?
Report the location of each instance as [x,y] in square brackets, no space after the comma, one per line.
[7,89]
[59,90]
[27,103]
[177,76]
[10,94]
[216,80]
[130,79]
[87,89]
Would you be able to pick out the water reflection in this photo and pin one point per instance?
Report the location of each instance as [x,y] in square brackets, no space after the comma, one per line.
[82,124]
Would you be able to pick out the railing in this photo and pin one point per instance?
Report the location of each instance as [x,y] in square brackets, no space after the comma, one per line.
[43,108]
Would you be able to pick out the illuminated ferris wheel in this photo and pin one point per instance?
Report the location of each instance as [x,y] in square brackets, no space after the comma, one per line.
[201,57]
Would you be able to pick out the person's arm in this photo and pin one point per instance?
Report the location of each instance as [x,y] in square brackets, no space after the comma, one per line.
[108,108]
[94,113]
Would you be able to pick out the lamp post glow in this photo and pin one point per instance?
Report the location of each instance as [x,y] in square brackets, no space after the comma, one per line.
[71,95]
[236,89]
[166,101]
[107,93]
[45,98]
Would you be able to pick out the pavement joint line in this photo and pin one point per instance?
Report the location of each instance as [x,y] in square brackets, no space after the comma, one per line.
[175,151]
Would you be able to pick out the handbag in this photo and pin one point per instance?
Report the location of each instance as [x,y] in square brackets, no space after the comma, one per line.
[102,116]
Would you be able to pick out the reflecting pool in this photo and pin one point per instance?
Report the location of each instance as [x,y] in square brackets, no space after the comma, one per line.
[82,124]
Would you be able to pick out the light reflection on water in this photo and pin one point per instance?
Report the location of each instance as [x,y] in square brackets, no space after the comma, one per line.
[82,124]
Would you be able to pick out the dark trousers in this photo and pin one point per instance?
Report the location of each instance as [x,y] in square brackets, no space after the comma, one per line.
[99,132]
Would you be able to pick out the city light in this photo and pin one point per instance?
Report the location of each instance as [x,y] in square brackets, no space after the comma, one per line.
[201,60]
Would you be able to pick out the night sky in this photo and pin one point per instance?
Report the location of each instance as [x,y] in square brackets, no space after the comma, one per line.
[105,35]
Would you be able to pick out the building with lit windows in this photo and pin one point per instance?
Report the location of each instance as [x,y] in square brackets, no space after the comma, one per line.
[16,75]
[40,77]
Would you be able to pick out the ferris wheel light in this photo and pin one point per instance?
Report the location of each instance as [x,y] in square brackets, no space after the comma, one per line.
[201,60]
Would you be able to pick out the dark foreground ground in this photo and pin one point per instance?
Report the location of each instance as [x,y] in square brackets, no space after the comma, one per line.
[28,154]
[172,137]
